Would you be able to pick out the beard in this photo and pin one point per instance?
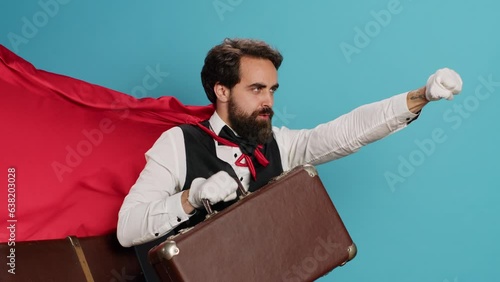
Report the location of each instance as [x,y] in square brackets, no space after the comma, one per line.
[248,126]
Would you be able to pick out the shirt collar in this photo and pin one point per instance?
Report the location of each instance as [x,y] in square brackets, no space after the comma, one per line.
[216,123]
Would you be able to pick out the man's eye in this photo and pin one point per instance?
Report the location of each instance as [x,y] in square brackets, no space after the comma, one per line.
[256,89]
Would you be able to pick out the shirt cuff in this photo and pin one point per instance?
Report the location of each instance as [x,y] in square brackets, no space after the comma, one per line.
[401,111]
[174,205]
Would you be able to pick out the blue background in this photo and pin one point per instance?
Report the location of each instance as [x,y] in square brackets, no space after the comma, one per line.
[440,220]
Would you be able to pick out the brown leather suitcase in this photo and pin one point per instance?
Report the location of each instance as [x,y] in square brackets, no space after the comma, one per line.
[289,230]
[98,258]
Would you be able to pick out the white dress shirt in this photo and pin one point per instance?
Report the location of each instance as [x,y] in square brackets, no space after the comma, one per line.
[153,206]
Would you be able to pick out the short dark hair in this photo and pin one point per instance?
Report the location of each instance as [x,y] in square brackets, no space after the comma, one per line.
[222,63]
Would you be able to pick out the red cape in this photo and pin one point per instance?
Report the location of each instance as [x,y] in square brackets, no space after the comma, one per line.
[77,148]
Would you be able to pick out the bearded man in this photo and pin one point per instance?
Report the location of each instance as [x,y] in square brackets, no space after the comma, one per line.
[238,144]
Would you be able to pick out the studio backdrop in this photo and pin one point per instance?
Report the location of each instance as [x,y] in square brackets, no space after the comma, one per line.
[421,204]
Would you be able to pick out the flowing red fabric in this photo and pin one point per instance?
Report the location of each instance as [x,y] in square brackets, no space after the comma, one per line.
[76,148]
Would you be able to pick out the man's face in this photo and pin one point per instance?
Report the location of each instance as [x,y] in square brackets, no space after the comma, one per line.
[250,103]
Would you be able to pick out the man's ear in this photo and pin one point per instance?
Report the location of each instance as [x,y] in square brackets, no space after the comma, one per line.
[222,92]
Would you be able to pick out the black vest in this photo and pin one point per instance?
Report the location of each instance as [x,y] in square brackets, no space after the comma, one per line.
[202,161]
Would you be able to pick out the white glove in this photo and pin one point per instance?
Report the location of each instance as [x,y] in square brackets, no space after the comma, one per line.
[218,187]
[443,84]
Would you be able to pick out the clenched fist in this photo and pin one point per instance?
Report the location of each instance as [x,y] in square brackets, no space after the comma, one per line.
[444,83]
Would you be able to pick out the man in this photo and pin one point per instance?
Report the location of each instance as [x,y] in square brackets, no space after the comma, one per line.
[189,163]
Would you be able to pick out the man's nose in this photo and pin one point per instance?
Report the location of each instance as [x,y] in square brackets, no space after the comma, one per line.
[268,99]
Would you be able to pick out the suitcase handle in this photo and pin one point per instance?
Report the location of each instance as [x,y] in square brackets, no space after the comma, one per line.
[208,207]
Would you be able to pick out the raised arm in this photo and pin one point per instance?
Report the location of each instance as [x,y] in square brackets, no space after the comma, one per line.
[366,124]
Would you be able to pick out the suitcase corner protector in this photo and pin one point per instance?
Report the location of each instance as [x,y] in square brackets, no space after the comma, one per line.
[352,250]
[165,251]
[311,170]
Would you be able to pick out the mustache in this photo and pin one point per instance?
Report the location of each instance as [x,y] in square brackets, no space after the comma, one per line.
[266,111]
